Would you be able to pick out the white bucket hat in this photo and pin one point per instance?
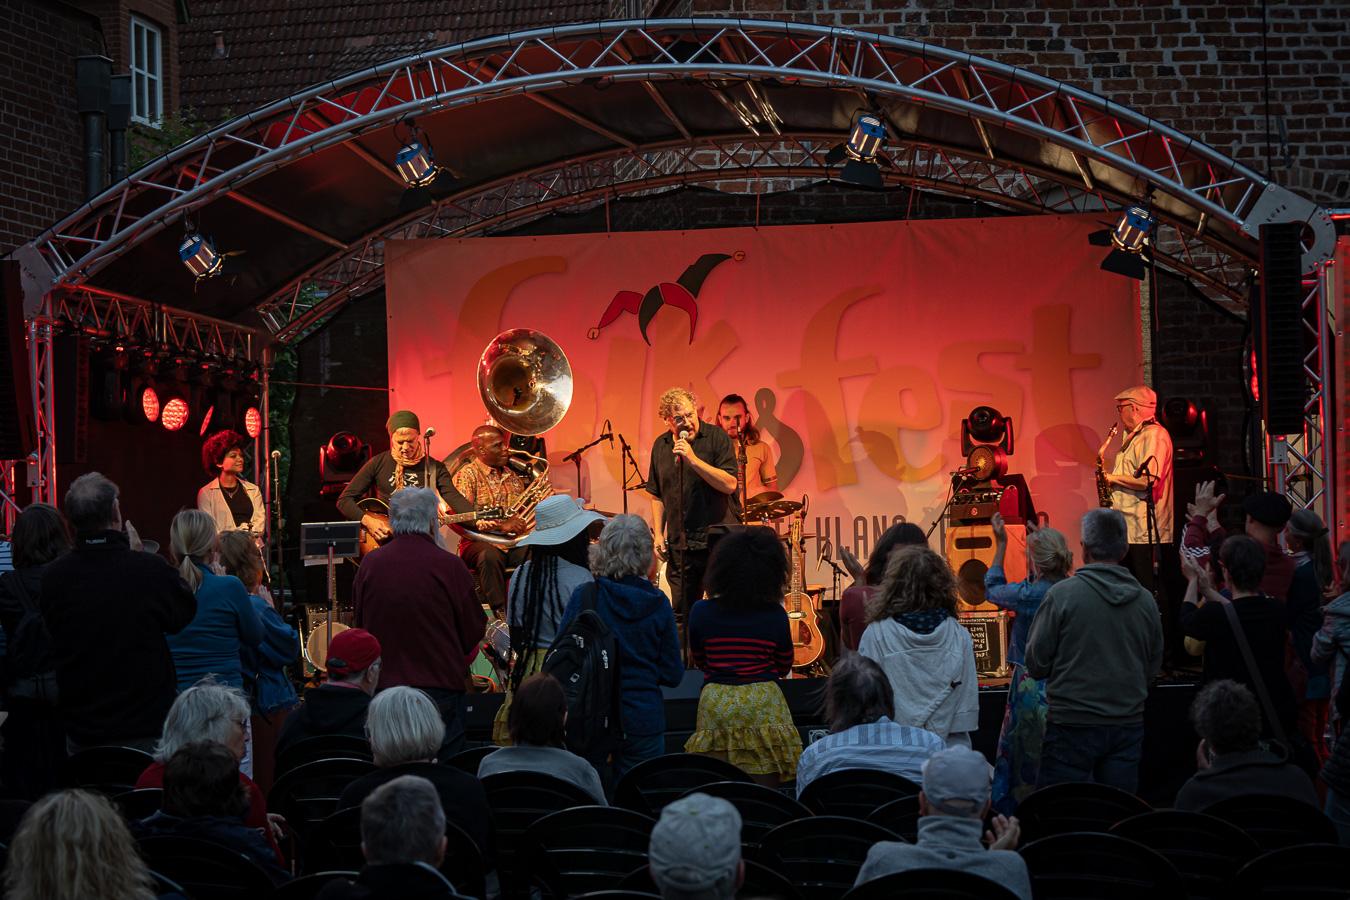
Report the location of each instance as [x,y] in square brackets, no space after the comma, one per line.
[558,519]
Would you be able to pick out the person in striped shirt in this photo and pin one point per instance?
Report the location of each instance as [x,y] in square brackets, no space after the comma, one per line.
[859,704]
[740,640]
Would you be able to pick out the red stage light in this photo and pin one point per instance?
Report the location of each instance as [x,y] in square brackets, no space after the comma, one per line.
[175,414]
[253,422]
[150,404]
[206,420]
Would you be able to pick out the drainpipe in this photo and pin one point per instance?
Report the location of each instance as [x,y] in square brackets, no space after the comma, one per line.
[93,75]
[119,119]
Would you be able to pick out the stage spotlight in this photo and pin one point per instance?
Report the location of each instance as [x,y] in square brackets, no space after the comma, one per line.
[175,413]
[148,401]
[1129,240]
[860,150]
[416,165]
[253,422]
[339,460]
[198,253]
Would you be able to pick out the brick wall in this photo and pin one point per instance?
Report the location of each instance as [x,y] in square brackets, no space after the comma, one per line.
[1193,64]
[41,150]
[115,17]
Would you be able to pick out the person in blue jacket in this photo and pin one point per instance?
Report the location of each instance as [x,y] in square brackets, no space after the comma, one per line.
[225,622]
[643,623]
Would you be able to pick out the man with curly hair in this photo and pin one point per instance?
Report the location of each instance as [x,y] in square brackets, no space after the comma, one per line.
[235,503]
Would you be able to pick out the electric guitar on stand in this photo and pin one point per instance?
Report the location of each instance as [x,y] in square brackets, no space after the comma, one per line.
[808,642]
[373,506]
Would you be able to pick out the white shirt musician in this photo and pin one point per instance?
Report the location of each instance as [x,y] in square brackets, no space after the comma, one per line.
[1144,459]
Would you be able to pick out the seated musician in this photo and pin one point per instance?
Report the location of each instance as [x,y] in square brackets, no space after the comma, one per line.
[761,473]
[404,464]
[487,481]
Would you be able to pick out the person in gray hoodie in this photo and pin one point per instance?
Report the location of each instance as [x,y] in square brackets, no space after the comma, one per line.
[952,807]
[1097,641]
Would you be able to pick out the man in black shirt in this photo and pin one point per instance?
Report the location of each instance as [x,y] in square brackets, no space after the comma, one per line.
[705,454]
[404,464]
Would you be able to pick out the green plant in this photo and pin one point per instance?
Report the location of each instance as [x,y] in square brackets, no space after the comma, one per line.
[146,143]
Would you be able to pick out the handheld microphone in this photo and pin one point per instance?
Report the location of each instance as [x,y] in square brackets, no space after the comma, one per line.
[1143,467]
[966,471]
[429,433]
[684,436]
[609,434]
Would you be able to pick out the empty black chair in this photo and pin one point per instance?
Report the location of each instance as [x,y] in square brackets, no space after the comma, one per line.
[1205,850]
[1309,872]
[652,783]
[586,848]
[140,803]
[308,887]
[108,770]
[1274,821]
[11,811]
[517,801]
[324,746]
[930,884]
[619,894]
[1075,807]
[762,809]
[855,792]
[759,881]
[164,885]
[821,855]
[900,816]
[205,870]
[308,794]
[1093,864]
[335,844]
[468,760]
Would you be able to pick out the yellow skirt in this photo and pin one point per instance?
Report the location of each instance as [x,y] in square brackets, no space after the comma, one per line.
[751,724]
[534,661]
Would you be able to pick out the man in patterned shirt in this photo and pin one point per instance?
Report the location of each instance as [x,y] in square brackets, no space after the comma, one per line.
[488,481]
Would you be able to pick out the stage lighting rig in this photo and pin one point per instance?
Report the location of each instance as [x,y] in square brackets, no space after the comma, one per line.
[416,165]
[1130,240]
[865,140]
[339,460]
[198,253]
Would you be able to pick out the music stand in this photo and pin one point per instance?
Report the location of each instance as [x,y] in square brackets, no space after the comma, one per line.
[328,542]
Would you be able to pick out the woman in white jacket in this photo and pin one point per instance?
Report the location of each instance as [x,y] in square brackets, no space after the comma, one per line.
[914,634]
[234,504]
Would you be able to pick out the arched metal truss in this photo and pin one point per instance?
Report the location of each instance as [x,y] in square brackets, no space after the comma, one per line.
[561,118]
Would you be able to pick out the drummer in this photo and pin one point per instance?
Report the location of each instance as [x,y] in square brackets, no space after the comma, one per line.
[761,474]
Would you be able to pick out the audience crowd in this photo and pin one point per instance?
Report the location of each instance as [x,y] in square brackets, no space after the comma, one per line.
[190,663]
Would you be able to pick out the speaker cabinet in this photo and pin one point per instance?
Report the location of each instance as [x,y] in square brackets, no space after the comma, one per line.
[17,437]
[970,550]
[1277,327]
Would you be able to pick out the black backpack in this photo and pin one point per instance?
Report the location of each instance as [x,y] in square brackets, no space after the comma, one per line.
[28,649]
[584,657]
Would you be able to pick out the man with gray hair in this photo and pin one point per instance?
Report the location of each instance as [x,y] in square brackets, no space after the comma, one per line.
[695,849]
[403,840]
[1097,641]
[107,607]
[952,807]
[418,600]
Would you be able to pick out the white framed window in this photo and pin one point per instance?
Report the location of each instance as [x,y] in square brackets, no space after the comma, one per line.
[147,72]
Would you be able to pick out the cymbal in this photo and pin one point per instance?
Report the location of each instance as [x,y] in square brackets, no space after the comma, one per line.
[774,509]
[762,497]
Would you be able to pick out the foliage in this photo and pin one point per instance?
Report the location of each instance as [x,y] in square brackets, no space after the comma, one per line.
[146,143]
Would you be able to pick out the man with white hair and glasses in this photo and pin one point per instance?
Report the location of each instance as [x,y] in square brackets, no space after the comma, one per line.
[418,600]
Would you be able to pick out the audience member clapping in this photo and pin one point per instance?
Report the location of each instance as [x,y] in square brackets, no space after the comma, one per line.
[1097,642]
[203,799]
[640,617]
[859,706]
[403,839]
[34,743]
[538,727]
[914,634]
[74,845]
[1230,758]
[695,849]
[853,605]
[952,807]
[1331,646]
[272,695]
[740,638]
[339,705]
[406,730]
[107,607]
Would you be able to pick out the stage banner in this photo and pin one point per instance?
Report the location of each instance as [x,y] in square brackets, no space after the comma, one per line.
[860,348]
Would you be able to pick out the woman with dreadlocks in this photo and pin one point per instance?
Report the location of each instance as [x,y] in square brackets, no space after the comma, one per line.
[540,588]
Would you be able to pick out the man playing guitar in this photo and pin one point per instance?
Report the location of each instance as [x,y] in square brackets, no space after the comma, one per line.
[404,464]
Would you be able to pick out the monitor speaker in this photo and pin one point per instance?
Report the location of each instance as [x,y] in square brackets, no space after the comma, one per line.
[970,550]
[18,438]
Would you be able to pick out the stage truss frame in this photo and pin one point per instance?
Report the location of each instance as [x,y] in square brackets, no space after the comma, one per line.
[1090,154]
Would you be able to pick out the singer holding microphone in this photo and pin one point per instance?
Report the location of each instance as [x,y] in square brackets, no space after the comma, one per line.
[692,483]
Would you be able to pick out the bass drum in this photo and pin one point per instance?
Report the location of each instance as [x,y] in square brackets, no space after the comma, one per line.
[316,645]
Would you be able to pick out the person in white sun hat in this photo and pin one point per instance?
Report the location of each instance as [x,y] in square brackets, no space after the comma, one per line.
[541,587]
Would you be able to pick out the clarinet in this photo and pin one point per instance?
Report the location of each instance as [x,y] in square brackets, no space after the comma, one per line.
[1104,489]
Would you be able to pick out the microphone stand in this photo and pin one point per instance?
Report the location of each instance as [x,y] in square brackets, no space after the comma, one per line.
[625,458]
[957,478]
[575,457]
[1151,522]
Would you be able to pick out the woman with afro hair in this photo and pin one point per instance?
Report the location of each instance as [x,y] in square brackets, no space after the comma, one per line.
[234,504]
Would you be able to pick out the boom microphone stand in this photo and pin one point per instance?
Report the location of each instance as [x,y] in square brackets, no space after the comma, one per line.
[1151,519]
[625,459]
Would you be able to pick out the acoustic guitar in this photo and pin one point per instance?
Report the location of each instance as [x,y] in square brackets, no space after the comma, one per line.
[808,643]
[373,506]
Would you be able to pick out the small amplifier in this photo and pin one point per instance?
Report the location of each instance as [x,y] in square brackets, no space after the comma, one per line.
[989,632]
[976,504]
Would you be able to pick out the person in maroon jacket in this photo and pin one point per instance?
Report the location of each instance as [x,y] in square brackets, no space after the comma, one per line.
[417,598]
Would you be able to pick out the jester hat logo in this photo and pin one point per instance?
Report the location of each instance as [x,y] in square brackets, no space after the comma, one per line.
[681,294]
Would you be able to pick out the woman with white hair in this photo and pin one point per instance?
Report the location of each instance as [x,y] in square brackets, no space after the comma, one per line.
[1019,744]
[218,714]
[405,730]
[640,617]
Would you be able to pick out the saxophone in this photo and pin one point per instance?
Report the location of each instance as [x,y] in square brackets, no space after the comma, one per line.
[1104,489]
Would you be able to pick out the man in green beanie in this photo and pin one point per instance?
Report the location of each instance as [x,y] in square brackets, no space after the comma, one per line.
[404,464]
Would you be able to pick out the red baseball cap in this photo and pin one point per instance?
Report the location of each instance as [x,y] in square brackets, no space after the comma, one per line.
[352,651]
